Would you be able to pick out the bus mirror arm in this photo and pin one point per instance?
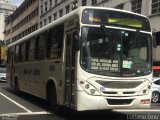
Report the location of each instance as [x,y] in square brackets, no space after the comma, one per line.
[154,39]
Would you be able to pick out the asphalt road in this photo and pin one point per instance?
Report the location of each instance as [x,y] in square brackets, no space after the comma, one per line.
[23,106]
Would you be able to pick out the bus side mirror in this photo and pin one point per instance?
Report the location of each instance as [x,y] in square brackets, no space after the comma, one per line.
[76,42]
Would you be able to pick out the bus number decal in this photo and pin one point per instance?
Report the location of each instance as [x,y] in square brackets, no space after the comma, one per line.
[31,72]
[51,68]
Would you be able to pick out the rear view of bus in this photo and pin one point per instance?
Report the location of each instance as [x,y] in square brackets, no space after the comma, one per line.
[114,65]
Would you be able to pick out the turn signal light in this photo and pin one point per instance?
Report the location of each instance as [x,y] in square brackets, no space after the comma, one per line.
[81,82]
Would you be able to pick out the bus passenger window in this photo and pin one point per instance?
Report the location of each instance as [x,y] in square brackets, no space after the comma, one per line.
[22,52]
[51,45]
[40,46]
[16,55]
[59,41]
[31,49]
[26,50]
[8,56]
[54,43]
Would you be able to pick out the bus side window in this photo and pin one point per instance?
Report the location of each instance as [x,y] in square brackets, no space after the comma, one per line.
[40,46]
[22,52]
[59,41]
[31,49]
[51,45]
[8,56]
[26,50]
[54,43]
[16,54]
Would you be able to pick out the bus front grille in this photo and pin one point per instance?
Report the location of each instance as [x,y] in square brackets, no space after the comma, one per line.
[119,84]
[116,93]
[119,101]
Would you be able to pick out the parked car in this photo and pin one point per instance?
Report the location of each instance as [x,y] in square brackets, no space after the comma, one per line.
[2,74]
[156,90]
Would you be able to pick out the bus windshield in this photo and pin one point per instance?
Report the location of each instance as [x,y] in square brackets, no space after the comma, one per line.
[115,18]
[116,53]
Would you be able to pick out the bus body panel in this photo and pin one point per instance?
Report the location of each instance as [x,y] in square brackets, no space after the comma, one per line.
[100,103]
[33,76]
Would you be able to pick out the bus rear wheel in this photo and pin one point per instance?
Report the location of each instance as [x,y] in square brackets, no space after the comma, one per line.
[16,85]
[52,98]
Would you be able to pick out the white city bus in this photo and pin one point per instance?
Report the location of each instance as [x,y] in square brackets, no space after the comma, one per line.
[90,59]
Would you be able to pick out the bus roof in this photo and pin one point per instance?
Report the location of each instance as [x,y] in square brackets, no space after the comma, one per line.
[113,9]
[68,16]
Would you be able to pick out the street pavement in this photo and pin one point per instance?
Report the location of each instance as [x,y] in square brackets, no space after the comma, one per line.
[23,106]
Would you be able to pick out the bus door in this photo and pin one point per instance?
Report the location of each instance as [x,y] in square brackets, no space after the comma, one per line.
[70,69]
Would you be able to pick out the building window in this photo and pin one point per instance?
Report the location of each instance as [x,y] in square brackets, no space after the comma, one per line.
[84,3]
[45,21]
[61,13]
[49,19]
[50,2]
[94,2]
[119,6]
[41,9]
[155,6]
[74,5]
[67,9]
[46,6]
[56,2]
[40,24]
[136,6]
[55,16]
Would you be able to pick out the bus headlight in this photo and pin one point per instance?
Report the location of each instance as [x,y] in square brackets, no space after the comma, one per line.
[145,90]
[92,91]
[88,88]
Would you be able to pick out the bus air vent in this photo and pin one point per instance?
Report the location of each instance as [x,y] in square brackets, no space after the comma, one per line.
[119,101]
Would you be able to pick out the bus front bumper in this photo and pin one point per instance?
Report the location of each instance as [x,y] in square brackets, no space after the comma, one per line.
[89,102]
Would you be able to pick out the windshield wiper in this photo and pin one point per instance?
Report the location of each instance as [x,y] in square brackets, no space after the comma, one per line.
[107,32]
[110,48]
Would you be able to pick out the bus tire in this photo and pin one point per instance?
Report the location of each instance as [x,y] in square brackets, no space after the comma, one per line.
[16,85]
[52,98]
[155,97]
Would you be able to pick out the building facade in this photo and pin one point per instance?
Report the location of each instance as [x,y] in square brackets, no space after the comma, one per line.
[22,22]
[34,14]
[50,10]
[6,8]
[2,24]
